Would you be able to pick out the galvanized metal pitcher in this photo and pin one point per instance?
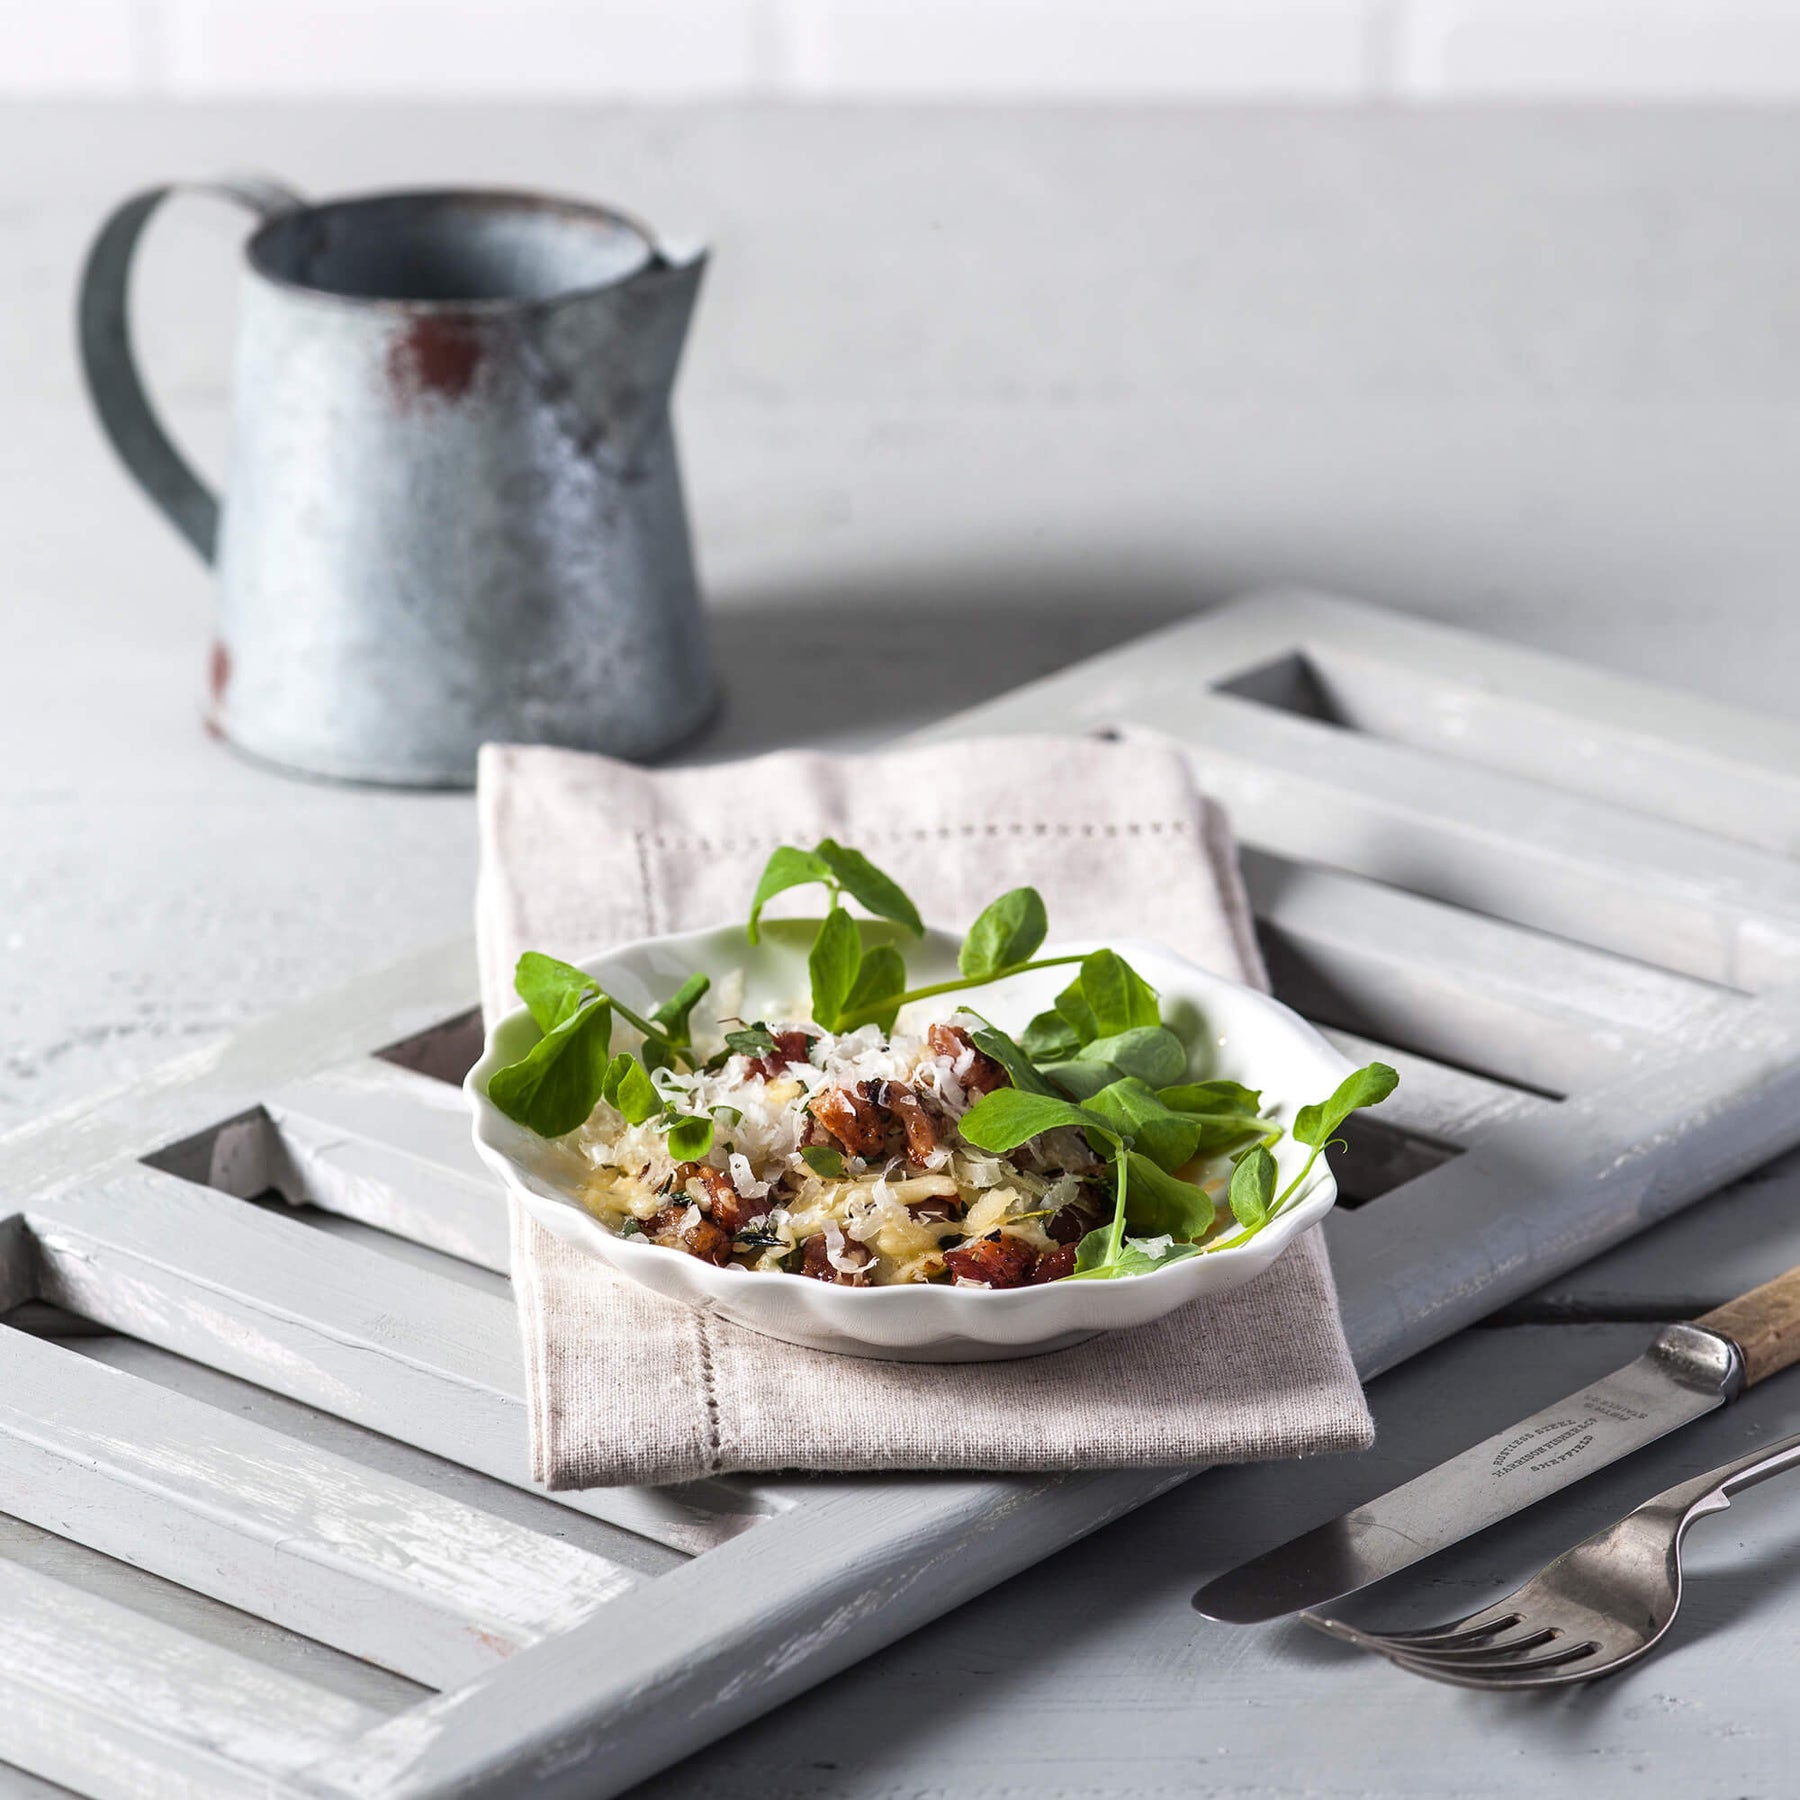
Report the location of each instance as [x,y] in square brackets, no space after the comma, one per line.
[454,511]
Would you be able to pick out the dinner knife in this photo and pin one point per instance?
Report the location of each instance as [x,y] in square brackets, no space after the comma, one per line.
[1687,1372]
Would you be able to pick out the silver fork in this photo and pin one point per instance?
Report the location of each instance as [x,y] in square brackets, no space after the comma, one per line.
[1596,1608]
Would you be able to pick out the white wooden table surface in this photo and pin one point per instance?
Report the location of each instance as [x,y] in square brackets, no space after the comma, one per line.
[974,394]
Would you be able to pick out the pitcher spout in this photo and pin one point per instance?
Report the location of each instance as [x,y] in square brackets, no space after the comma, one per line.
[611,359]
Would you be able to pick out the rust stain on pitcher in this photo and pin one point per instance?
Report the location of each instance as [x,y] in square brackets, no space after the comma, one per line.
[434,355]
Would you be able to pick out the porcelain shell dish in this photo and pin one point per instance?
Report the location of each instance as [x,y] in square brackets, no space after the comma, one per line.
[1231,1031]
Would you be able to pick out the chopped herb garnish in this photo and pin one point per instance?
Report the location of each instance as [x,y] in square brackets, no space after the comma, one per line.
[754,1237]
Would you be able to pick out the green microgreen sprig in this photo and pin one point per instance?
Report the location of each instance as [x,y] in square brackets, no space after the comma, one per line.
[854,984]
[555,1086]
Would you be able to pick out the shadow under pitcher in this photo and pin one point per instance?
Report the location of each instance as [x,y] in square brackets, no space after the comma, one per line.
[454,511]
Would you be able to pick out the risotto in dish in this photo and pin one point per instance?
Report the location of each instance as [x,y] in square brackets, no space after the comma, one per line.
[882,1134]
[838,1156]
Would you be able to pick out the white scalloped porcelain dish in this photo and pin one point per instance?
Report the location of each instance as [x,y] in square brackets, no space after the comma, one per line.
[1231,1031]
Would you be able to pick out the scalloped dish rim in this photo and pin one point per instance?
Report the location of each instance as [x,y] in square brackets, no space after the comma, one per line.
[921,1321]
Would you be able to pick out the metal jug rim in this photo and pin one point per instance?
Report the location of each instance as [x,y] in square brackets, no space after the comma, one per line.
[257,250]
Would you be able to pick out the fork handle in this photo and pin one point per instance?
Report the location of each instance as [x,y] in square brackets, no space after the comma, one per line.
[1764,1324]
[1712,1491]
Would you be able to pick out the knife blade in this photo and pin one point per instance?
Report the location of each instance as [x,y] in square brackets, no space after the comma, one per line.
[1686,1373]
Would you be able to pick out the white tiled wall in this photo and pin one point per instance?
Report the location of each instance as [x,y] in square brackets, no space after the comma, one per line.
[1070,49]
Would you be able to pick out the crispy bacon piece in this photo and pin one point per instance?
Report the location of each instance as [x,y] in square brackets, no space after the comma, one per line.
[790,1046]
[815,1260]
[982,1075]
[937,1208]
[710,1242]
[855,1122]
[896,1098]
[1002,1262]
[1053,1265]
[718,1198]
[1070,1224]
[870,1119]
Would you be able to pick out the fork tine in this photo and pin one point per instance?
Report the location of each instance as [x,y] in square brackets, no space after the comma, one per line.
[1545,1648]
[1476,1661]
[1475,1635]
[1572,1662]
[1480,1650]
[1477,1628]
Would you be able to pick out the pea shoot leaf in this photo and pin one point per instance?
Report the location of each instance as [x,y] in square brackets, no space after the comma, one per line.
[675,1012]
[554,1086]
[1136,1256]
[880,981]
[1212,1097]
[1072,1008]
[1118,998]
[833,963]
[551,990]
[1157,1201]
[1133,1109]
[1009,932]
[1008,1117]
[1078,1079]
[786,868]
[1225,1111]
[1152,1053]
[990,1040]
[628,1087]
[862,881]
[1049,1038]
[1316,1125]
[690,1137]
[1252,1192]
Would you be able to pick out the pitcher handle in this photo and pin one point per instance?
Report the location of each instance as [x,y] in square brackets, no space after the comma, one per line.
[113,381]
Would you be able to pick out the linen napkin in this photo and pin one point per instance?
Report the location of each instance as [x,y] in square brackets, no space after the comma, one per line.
[579,852]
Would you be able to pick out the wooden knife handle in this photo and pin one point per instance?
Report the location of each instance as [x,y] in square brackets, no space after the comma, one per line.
[1764,1324]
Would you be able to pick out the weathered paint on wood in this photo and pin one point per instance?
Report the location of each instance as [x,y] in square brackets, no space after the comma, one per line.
[1602,875]
[397,1348]
[381,1569]
[832,1569]
[1568,725]
[123,1706]
[1695,1260]
[731,1634]
[1556,1187]
[231,1077]
[1434,1101]
[378,1142]
[1661,889]
[373,1450]
[1528,1009]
